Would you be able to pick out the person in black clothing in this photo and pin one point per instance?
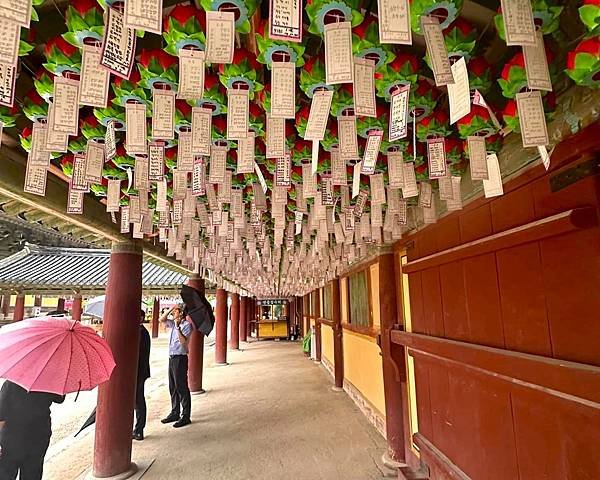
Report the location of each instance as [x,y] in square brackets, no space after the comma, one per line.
[143,373]
[25,431]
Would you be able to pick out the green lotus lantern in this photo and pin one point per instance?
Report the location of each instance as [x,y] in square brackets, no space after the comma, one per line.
[422,100]
[478,122]
[62,58]
[513,78]
[583,63]
[122,160]
[158,69]
[35,107]
[446,11]
[510,114]
[435,125]
[273,50]
[129,89]
[402,71]
[364,125]
[44,84]
[114,113]
[546,16]
[92,129]
[242,10]
[480,75]
[365,43]
[8,116]
[343,101]
[183,28]
[85,23]
[214,96]
[66,165]
[322,12]
[242,73]
[312,77]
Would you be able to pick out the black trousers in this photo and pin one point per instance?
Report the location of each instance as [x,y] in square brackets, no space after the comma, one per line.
[178,386]
[28,460]
[140,407]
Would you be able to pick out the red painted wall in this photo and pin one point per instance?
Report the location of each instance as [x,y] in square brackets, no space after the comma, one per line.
[538,297]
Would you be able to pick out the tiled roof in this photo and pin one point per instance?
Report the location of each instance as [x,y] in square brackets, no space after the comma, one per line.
[38,269]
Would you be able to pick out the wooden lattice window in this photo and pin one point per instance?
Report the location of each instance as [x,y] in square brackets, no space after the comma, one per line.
[358,299]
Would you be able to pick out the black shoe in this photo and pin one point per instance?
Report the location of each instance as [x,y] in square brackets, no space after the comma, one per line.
[182,422]
[138,435]
[170,418]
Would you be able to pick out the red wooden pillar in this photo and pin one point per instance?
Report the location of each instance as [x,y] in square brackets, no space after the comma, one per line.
[221,328]
[5,304]
[338,345]
[60,304]
[392,386]
[291,316]
[317,313]
[243,318]
[155,316]
[234,314]
[76,308]
[19,311]
[196,347]
[121,329]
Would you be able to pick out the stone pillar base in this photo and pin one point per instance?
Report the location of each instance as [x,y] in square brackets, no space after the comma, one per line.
[337,389]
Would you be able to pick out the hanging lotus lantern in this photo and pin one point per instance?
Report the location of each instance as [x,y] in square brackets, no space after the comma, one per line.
[402,71]
[242,10]
[100,189]
[454,151]
[583,63]
[493,143]
[446,11]
[546,17]
[183,116]
[110,171]
[322,12]
[273,50]
[157,69]
[364,125]
[389,147]
[25,140]
[256,120]
[62,58]
[312,77]
[330,139]
[35,107]
[343,101]
[85,23]
[127,90]
[27,37]
[480,75]
[477,122]
[589,13]
[44,84]
[8,116]
[171,158]
[302,120]
[92,129]
[301,151]
[219,133]
[66,165]
[510,113]
[422,100]
[242,73]
[213,97]
[435,125]
[365,43]
[183,28]
[122,160]
[513,78]
[112,112]
[460,38]
[77,144]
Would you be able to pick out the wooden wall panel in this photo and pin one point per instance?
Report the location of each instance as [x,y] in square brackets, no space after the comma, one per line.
[475,224]
[523,300]
[415,293]
[454,303]
[432,304]
[424,410]
[513,209]
[448,233]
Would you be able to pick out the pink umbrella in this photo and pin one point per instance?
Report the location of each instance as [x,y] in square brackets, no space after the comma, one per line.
[57,355]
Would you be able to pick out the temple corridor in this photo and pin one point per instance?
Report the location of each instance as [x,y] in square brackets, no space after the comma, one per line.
[270,414]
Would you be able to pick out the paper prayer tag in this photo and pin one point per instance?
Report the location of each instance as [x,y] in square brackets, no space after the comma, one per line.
[338,53]
[283,90]
[220,37]
[94,162]
[399,113]
[436,156]
[364,87]
[519,27]
[285,20]
[8,78]
[410,188]
[217,164]
[75,202]
[459,94]
[371,152]
[492,187]
[118,45]
[275,137]
[16,11]
[338,168]
[66,105]
[201,131]
[437,51]
[477,157]
[425,194]
[135,128]
[356,178]
[113,196]
[144,15]
[245,154]
[185,154]
[532,119]
[156,161]
[283,171]
[55,141]
[199,176]
[347,138]
[536,65]
[110,140]
[93,88]
[315,157]
[480,101]
[141,170]
[319,115]
[35,179]
[395,162]
[9,42]
[78,181]
[394,22]
[191,74]
[238,106]
[163,114]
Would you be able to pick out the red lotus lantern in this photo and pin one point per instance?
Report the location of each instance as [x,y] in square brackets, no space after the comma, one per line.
[435,125]
[583,63]
[242,73]
[402,71]
[478,122]
[158,69]
[273,50]
[183,28]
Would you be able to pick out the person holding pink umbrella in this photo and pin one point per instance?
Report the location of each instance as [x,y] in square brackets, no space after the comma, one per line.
[42,360]
[25,431]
